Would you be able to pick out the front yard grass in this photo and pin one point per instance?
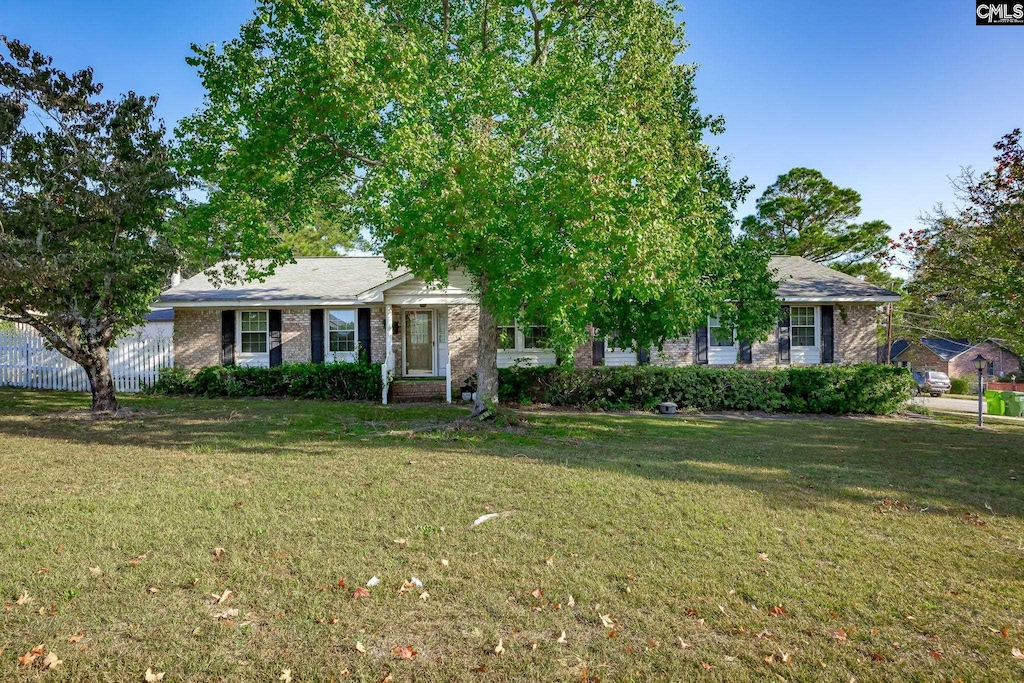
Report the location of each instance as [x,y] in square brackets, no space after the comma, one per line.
[773,549]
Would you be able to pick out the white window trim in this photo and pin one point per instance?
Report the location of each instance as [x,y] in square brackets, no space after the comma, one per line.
[722,355]
[807,355]
[340,356]
[522,354]
[251,359]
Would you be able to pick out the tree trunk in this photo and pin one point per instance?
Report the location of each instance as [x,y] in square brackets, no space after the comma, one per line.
[97,368]
[486,359]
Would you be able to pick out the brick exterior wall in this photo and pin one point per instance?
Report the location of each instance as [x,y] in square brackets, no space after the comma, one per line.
[583,356]
[674,352]
[1004,363]
[765,354]
[922,358]
[378,348]
[296,342]
[856,336]
[410,390]
[463,338]
[196,337]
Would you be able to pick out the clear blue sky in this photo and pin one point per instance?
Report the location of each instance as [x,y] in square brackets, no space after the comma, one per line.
[889,98]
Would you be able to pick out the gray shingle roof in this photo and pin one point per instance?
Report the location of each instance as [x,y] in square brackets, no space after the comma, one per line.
[344,277]
[947,349]
[801,279]
[326,279]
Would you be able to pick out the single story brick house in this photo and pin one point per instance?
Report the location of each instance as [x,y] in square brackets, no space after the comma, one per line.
[955,357]
[331,309]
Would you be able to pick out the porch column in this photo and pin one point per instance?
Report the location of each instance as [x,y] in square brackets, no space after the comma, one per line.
[447,369]
[388,367]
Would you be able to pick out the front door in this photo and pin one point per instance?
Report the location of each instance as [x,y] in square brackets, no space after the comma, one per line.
[419,342]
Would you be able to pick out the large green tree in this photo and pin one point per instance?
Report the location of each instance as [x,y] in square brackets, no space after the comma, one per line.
[968,262]
[88,212]
[552,150]
[803,213]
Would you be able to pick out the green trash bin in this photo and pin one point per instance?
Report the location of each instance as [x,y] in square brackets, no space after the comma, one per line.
[994,402]
[1014,405]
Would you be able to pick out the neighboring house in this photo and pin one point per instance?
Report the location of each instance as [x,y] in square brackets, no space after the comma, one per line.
[332,309]
[955,357]
[159,324]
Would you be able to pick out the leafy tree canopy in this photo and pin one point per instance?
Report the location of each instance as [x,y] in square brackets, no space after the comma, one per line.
[805,214]
[552,150]
[968,262]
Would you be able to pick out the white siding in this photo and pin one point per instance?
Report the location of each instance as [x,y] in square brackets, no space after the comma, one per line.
[509,358]
[618,357]
[459,284]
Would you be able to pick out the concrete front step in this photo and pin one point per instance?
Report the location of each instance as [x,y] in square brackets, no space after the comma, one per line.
[412,390]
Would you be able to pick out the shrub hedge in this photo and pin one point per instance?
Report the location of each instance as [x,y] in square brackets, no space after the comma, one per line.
[959,386]
[836,390]
[334,381]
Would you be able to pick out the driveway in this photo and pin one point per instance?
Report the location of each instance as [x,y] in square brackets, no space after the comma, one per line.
[958,405]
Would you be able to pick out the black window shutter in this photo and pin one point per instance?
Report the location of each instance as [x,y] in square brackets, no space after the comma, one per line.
[275,337]
[363,332]
[227,337]
[828,334]
[702,344]
[746,351]
[784,335]
[316,335]
[598,351]
[643,357]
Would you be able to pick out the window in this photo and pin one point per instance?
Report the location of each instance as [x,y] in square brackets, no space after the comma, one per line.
[254,328]
[718,335]
[535,337]
[341,331]
[991,368]
[801,323]
[506,337]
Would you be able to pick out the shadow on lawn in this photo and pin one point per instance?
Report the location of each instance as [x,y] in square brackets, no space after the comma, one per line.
[802,463]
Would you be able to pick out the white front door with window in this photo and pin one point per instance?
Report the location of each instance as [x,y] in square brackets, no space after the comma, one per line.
[252,338]
[418,342]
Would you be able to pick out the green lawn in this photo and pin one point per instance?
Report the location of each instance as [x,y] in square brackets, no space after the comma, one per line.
[752,541]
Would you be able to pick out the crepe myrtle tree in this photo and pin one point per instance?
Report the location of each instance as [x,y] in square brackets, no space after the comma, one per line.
[551,150]
[89,230]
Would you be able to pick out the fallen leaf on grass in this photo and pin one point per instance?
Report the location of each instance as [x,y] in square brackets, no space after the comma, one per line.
[549,561]
[152,589]
[218,554]
[152,677]
[681,644]
[483,518]
[763,557]
[387,678]
[877,657]
[652,643]
[424,596]
[51,661]
[95,571]
[561,638]
[360,648]
[1017,654]
[360,592]
[444,563]
[837,634]
[571,601]
[404,652]
[401,542]
[778,611]
[76,638]
[707,666]
[935,654]
[23,599]
[31,656]
[786,657]
[607,620]
[372,582]
[222,598]
[500,647]
[286,676]
[1005,632]
[537,593]
[226,615]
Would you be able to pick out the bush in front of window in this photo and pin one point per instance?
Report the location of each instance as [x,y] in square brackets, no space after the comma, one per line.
[837,390]
[329,381]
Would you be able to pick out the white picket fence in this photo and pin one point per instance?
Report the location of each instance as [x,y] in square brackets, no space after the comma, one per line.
[26,361]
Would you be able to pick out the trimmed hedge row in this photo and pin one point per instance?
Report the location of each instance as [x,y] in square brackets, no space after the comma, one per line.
[836,390]
[334,381]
